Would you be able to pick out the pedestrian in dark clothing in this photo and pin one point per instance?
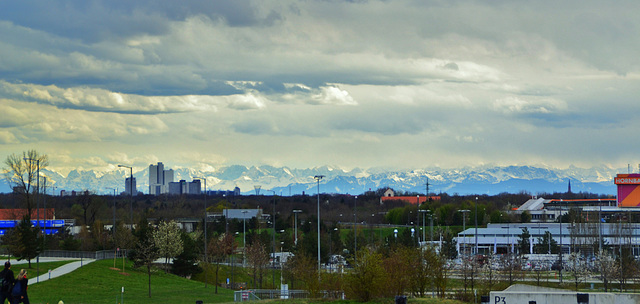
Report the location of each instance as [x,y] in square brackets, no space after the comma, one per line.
[6,280]
[19,291]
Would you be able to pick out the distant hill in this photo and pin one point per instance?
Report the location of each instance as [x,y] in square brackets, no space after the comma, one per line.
[283,180]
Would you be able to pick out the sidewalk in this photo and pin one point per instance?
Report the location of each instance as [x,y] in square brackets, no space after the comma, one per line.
[54,273]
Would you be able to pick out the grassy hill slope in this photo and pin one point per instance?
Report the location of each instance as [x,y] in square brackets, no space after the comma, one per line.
[98,282]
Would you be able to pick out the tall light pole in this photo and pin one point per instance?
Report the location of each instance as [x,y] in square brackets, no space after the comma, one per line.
[318,178]
[355,231]
[130,192]
[37,204]
[295,216]
[423,220]
[205,226]
[273,218]
[464,227]
[600,226]
[113,230]
[244,235]
[37,189]
[476,233]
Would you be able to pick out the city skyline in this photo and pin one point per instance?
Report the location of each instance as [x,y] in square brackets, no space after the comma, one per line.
[303,84]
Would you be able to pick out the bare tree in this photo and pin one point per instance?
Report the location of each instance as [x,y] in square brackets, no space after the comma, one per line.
[578,269]
[510,267]
[488,273]
[219,249]
[21,172]
[607,267]
[258,259]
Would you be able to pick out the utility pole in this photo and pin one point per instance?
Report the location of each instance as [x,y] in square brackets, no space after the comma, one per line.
[318,178]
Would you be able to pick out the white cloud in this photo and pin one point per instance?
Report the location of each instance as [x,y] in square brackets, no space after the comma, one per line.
[333,95]
[517,105]
[223,81]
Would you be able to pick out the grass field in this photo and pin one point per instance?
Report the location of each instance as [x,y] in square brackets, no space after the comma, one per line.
[97,283]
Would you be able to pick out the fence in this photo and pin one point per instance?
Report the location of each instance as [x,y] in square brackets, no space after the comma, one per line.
[97,255]
[262,294]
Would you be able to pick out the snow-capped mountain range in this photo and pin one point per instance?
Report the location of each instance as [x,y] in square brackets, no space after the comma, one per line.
[287,181]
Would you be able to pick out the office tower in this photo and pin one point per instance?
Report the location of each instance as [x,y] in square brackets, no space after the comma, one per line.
[128,185]
[159,179]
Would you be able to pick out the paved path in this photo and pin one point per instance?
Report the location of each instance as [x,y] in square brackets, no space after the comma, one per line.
[62,270]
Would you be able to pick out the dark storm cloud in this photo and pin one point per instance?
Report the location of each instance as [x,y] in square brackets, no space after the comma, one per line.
[94,21]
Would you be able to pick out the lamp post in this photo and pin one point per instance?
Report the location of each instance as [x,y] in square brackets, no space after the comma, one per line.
[331,249]
[295,216]
[318,178]
[244,235]
[205,226]
[476,233]
[600,227]
[355,231]
[113,229]
[273,263]
[464,223]
[423,220]
[37,189]
[130,192]
[37,205]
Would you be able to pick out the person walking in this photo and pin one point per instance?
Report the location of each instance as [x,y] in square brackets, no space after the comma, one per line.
[19,291]
[7,281]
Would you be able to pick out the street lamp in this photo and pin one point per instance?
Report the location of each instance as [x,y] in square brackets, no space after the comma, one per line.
[244,234]
[205,226]
[476,233]
[295,215]
[37,203]
[318,178]
[423,220]
[273,264]
[130,192]
[114,211]
[331,250]
[464,228]
[355,231]
[37,189]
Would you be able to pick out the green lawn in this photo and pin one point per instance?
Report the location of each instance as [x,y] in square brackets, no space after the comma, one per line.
[97,283]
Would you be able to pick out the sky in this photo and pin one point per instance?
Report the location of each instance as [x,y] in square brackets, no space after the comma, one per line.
[303,84]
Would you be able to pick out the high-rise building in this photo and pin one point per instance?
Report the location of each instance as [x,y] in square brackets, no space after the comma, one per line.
[159,179]
[128,185]
[184,187]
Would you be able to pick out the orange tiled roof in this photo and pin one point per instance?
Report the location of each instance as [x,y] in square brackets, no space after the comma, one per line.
[410,199]
[18,214]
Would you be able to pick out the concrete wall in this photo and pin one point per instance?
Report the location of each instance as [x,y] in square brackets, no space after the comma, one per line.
[518,297]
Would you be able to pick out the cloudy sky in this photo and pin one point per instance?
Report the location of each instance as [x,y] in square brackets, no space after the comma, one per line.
[402,84]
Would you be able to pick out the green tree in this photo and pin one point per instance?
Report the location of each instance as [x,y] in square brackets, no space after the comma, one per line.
[545,244]
[166,238]
[145,251]
[23,241]
[304,268]
[525,217]
[524,243]
[449,244]
[185,264]
[368,278]
[400,266]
